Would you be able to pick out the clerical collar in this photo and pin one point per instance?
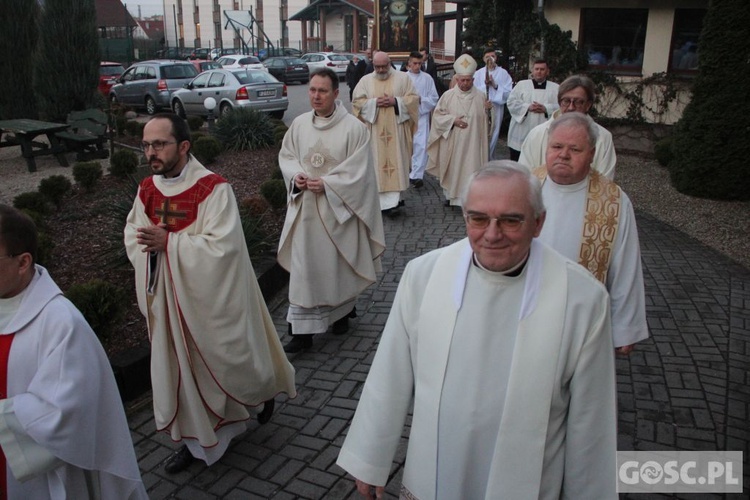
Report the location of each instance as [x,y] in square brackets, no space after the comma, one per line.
[326,116]
[178,178]
[511,273]
[540,86]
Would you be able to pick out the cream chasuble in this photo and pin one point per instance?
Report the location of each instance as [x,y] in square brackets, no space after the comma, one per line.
[522,121]
[534,149]
[604,240]
[455,153]
[331,242]
[214,349]
[391,133]
[557,432]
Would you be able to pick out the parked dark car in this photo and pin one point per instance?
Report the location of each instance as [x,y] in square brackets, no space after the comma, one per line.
[173,53]
[149,84]
[109,72]
[288,69]
[234,88]
[264,54]
[199,54]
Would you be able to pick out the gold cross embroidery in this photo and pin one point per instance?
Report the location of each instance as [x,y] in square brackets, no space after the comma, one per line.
[168,213]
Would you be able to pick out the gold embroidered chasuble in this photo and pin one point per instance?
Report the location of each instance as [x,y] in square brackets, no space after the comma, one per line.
[391,134]
[600,222]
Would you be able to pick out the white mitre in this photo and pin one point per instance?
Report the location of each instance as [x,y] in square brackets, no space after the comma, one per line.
[465,65]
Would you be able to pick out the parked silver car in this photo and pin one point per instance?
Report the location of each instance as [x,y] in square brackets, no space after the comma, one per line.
[232,88]
[149,84]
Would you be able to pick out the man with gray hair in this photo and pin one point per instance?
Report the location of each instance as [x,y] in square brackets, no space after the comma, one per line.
[591,220]
[527,330]
[576,94]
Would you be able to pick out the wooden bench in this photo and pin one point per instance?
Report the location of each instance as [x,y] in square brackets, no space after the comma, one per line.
[87,135]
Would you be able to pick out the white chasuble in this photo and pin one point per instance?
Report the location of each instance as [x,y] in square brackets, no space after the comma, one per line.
[534,149]
[391,132]
[214,349]
[557,432]
[332,241]
[455,153]
[564,231]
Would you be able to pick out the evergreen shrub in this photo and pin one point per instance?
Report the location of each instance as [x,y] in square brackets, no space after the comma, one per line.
[87,174]
[274,190]
[195,122]
[206,149]
[134,128]
[663,151]
[103,304]
[123,163]
[244,129]
[55,187]
[33,201]
[44,247]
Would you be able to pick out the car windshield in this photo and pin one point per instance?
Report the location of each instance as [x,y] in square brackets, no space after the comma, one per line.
[179,71]
[249,77]
[337,57]
[111,70]
[294,60]
[250,60]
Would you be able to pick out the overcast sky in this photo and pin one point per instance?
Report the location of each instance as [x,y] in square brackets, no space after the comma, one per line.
[148,7]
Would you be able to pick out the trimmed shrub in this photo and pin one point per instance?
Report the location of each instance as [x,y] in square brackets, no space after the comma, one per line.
[55,187]
[255,206]
[101,303]
[244,129]
[87,174]
[663,151]
[195,122]
[36,217]
[33,201]
[120,124]
[274,190]
[123,163]
[276,173]
[278,136]
[134,128]
[194,136]
[44,247]
[206,149]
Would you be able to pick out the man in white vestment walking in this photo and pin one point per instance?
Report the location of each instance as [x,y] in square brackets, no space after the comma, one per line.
[590,220]
[215,353]
[457,145]
[530,103]
[576,94]
[62,425]
[428,98]
[496,84]
[503,348]
[387,102]
[333,233]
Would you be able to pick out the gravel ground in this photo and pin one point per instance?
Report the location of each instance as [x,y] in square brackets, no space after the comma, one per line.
[722,225]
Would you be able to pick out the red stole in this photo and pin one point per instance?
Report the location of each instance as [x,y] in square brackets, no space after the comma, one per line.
[179,211]
[5,341]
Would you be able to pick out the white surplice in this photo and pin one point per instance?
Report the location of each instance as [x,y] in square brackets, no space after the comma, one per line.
[497,96]
[534,149]
[338,233]
[428,98]
[556,434]
[62,425]
[563,231]
[522,120]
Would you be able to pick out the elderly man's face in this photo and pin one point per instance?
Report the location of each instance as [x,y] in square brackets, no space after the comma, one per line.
[575,100]
[382,64]
[465,82]
[569,154]
[497,249]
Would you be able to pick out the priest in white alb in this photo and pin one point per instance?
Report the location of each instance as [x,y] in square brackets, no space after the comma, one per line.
[457,146]
[215,353]
[530,103]
[591,220]
[428,98]
[333,232]
[63,430]
[576,94]
[496,84]
[387,102]
[503,349]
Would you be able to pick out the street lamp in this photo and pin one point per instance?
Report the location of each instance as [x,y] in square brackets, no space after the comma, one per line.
[210,104]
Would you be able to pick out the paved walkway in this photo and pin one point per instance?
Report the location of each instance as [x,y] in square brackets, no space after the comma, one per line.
[685,388]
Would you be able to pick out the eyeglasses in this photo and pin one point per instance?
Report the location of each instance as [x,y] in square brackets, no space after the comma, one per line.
[508,223]
[156,145]
[567,101]
[7,257]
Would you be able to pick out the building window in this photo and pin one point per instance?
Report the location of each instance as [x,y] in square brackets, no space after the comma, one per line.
[438,31]
[686,31]
[614,39]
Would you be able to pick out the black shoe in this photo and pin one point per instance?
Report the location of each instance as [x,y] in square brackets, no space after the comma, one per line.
[401,203]
[447,203]
[353,312]
[417,183]
[298,343]
[180,461]
[341,326]
[265,414]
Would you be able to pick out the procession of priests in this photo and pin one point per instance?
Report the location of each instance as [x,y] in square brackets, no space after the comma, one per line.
[333,233]
[387,102]
[215,353]
[63,431]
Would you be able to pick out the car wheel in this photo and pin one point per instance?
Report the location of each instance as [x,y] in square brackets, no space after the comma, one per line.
[150,105]
[225,109]
[277,114]
[178,108]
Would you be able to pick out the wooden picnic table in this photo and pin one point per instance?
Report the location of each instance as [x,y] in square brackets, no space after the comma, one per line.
[22,132]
